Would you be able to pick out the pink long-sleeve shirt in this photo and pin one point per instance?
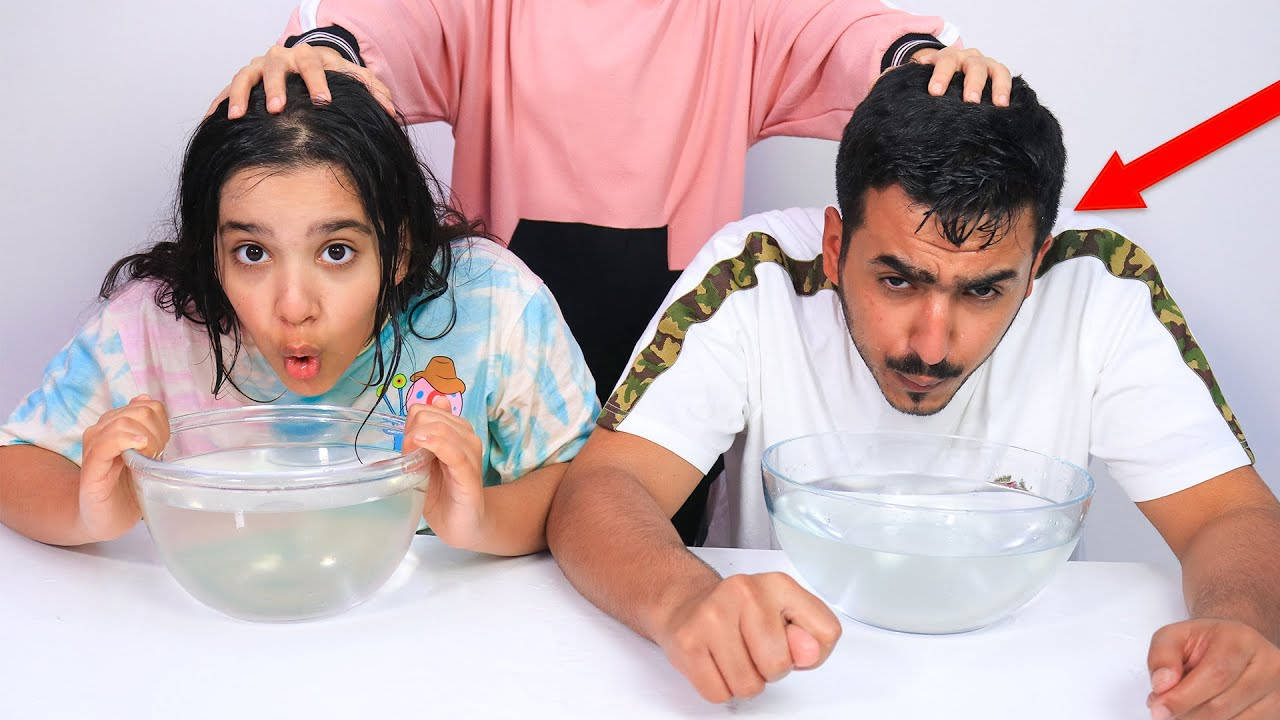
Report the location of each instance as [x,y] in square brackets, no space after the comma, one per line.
[626,113]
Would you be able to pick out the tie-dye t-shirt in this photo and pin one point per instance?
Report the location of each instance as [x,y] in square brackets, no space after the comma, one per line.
[508,365]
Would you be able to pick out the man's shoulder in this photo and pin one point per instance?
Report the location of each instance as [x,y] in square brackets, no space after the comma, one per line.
[795,232]
[1098,261]
[789,240]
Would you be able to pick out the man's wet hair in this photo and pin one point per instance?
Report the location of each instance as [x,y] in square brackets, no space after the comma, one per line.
[973,167]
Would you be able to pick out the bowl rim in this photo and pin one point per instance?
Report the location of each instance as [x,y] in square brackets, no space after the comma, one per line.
[162,470]
[768,469]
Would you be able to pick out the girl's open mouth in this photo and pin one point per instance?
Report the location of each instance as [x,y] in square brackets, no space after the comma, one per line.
[302,367]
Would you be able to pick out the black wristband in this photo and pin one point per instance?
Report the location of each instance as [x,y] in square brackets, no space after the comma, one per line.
[334,37]
[903,47]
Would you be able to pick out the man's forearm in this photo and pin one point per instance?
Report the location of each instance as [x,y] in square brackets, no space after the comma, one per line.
[617,547]
[1231,570]
[40,495]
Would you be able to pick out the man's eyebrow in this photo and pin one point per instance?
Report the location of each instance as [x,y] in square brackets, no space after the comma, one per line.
[987,280]
[251,228]
[332,226]
[897,265]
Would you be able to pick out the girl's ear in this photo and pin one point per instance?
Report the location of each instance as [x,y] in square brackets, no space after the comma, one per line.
[406,254]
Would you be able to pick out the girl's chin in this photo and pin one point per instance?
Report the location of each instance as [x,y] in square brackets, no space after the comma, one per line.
[310,387]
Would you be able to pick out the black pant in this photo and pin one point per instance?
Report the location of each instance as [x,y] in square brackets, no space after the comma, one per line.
[609,283]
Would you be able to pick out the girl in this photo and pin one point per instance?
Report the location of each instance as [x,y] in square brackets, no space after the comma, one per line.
[311,264]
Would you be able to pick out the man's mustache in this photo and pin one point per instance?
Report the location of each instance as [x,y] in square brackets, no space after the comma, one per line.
[913,365]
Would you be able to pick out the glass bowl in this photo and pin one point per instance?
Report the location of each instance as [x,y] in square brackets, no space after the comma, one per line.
[279,513]
[923,533]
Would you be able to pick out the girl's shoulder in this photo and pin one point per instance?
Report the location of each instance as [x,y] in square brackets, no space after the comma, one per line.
[137,312]
[484,268]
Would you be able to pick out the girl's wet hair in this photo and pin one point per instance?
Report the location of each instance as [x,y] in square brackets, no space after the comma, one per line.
[351,133]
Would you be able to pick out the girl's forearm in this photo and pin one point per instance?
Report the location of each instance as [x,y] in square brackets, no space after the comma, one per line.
[515,518]
[40,495]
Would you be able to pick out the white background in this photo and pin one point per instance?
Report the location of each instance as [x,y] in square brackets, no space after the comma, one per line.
[99,99]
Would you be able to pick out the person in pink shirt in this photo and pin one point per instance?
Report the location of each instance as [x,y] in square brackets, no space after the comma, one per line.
[606,141]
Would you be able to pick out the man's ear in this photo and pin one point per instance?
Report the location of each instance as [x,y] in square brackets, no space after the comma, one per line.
[1035,264]
[832,232]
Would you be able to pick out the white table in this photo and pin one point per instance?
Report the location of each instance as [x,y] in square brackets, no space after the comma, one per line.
[105,632]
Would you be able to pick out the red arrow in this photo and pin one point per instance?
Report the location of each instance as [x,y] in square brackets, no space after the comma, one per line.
[1118,185]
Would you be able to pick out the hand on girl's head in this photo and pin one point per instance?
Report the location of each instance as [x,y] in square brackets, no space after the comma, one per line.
[272,67]
[108,507]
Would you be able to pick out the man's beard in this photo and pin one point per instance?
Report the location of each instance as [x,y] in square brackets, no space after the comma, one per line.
[911,364]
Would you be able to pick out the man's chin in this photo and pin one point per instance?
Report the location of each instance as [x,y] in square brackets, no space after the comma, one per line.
[917,408]
[910,403]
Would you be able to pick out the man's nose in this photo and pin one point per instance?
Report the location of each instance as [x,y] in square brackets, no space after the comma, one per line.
[931,331]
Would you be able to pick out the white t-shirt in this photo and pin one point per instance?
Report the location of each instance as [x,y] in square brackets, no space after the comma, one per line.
[751,348]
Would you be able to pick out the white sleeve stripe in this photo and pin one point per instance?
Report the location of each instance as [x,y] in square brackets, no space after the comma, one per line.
[906,49]
[347,50]
[307,10]
[949,35]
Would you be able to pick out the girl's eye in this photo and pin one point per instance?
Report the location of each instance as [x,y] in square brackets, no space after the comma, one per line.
[338,254]
[251,254]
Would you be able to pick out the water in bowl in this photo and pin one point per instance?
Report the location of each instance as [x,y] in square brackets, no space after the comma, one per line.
[291,555]
[924,572]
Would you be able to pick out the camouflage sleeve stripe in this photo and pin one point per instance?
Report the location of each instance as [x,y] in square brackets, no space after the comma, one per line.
[698,305]
[1124,259]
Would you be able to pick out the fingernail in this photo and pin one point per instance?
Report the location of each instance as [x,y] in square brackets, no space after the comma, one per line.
[235,110]
[321,98]
[1163,679]
[1003,99]
[276,102]
[935,87]
[1160,712]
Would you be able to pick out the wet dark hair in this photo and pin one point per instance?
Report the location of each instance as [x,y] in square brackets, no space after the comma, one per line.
[351,133]
[974,167]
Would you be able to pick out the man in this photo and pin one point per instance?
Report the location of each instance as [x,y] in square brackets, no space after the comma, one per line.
[935,300]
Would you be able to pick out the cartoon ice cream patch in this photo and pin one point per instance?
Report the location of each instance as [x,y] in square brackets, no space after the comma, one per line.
[438,379]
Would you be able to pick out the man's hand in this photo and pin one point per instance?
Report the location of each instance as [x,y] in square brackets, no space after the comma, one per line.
[310,62]
[1209,669]
[977,68]
[108,506]
[745,631]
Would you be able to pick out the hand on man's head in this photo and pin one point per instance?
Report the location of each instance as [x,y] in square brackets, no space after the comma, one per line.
[976,67]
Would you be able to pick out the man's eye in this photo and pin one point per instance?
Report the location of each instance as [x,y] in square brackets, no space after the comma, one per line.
[985,292]
[896,283]
[251,254]
[339,254]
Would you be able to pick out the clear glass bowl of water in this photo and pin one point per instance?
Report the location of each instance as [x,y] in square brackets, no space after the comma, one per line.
[280,513]
[923,533]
